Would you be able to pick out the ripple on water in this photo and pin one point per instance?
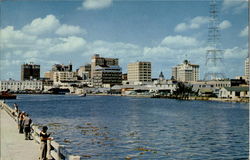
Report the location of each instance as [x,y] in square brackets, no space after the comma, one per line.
[99,127]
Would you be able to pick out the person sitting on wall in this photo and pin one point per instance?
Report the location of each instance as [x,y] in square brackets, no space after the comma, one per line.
[44,136]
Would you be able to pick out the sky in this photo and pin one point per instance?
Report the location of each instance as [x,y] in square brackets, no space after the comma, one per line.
[163,32]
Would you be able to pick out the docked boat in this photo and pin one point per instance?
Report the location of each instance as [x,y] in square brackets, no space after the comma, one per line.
[7,95]
[82,95]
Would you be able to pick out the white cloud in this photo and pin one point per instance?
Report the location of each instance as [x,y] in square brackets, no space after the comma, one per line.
[181,27]
[194,23]
[179,41]
[11,38]
[69,30]
[67,45]
[235,53]
[235,5]
[95,4]
[50,25]
[244,32]
[225,24]
[42,25]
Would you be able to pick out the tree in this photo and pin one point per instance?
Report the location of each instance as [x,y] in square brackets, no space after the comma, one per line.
[183,91]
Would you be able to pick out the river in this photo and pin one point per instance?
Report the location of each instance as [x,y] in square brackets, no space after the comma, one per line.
[114,127]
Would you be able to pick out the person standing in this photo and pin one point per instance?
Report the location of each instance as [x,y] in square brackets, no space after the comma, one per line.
[27,126]
[44,136]
[16,109]
[21,118]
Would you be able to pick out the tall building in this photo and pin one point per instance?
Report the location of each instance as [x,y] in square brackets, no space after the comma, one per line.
[186,72]
[139,72]
[247,67]
[63,76]
[30,71]
[84,72]
[61,68]
[107,76]
[58,68]
[96,60]
[105,71]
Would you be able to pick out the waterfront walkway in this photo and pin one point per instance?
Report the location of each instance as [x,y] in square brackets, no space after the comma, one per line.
[12,144]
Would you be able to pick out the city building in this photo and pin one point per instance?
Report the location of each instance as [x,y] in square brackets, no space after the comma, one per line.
[212,86]
[84,72]
[186,72]
[107,76]
[49,75]
[57,68]
[96,60]
[30,71]
[247,68]
[13,85]
[61,68]
[63,76]
[234,92]
[139,72]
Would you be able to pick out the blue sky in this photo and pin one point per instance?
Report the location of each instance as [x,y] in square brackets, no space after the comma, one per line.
[163,32]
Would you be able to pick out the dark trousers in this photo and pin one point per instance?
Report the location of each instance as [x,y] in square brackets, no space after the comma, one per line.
[21,126]
[27,132]
[43,150]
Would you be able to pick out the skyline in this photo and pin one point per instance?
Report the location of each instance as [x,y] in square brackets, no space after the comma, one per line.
[43,33]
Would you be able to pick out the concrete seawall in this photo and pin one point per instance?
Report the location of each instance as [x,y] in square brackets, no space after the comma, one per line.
[13,145]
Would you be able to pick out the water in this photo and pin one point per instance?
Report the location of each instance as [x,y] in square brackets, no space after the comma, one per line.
[109,127]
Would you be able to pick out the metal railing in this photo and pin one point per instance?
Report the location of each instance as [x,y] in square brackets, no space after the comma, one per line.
[56,151]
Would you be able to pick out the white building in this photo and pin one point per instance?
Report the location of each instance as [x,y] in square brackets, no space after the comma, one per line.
[234,92]
[63,76]
[13,85]
[247,68]
[186,72]
[139,72]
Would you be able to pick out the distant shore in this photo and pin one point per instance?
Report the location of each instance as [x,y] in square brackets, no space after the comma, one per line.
[240,100]
[245,100]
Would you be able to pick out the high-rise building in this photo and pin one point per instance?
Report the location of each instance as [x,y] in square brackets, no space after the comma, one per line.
[61,68]
[186,72]
[96,60]
[105,71]
[63,76]
[30,71]
[247,67]
[139,72]
[107,76]
[84,72]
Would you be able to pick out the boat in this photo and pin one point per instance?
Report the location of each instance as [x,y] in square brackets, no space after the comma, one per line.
[7,95]
[59,90]
[82,95]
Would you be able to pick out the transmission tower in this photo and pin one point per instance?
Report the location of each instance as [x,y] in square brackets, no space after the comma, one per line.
[214,54]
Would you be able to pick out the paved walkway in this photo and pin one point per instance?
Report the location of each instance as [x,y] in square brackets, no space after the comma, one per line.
[12,144]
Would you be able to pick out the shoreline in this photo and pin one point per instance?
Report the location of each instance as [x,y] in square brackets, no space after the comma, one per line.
[239,100]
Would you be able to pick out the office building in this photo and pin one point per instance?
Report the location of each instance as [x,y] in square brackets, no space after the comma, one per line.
[96,60]
[84,72]
[186,72]
[62,68]
[13,85]
[139,72]
[107,76]
[64,76]
[247,68]
[30,71]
